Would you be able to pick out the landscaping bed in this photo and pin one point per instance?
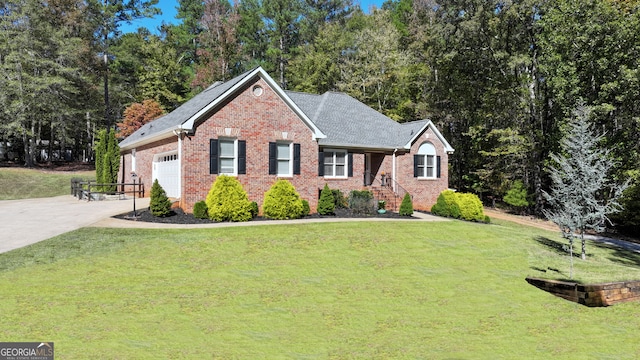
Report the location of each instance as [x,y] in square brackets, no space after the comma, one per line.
[178,216]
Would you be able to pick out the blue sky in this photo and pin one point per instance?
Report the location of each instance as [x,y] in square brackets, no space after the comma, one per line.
[169,12]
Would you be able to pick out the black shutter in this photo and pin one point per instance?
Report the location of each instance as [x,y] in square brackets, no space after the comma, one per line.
[350,165]
[438,167]
[242,157]
[296,159]
[273,161]
[415,165]
[320,163]
[213,156]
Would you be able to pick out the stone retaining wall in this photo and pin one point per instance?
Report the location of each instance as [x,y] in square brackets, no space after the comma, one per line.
[590,294]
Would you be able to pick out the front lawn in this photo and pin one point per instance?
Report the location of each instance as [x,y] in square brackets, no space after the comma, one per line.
[20,183]
[389,290]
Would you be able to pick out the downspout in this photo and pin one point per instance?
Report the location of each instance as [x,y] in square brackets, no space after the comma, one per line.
[393,172]
[178,132]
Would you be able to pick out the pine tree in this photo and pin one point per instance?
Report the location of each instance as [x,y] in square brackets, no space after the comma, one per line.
[159,203]
[581,195]
[406,207]
[326,204]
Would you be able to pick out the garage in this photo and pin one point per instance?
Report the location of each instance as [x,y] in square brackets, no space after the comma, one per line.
[166,168]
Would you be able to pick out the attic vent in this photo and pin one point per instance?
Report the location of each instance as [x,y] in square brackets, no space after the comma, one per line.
[257,90]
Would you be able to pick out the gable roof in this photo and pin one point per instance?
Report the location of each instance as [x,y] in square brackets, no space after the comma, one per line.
[335,119]
[349,123]
[185,116]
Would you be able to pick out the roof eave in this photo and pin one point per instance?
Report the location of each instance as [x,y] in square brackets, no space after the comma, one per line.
[447,147]
[165,134]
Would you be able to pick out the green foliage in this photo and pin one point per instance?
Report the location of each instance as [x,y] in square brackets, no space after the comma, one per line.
[159,204]
[100,153]
[107,159]
[282,201]
[470,207]
[339,199]
[517,195]
[446,205]
[227,200]
[254,209]
[628,220]
[382,205]
[200,210]
[406,207]
[306,210]
[361,202]
[487,219]
[326,203]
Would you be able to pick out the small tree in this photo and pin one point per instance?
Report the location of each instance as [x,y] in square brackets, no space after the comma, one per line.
[137,114]
[107,159]
[159,204]
[406,207]
[326,205]
[581,196]
[517,195]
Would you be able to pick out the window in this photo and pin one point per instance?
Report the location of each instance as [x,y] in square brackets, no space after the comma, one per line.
[426,164]
[227,156]
[335,163]
[284,159]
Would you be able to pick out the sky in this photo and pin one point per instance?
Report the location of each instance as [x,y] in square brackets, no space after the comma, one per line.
[169,12]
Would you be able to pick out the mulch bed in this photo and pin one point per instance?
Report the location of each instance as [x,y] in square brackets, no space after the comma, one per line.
[180,217]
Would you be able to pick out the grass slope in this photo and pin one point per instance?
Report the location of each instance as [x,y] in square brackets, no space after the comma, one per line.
[401,290]
[18,183]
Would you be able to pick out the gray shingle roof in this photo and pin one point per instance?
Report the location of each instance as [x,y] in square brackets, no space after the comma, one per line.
[184,112]
[342,120]
[349,123]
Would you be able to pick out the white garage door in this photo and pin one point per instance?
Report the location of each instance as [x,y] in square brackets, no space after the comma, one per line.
[166,169]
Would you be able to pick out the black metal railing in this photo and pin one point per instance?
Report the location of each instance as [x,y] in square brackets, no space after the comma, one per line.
[92,190]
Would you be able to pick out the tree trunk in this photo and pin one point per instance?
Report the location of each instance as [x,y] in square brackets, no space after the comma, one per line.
[584,246]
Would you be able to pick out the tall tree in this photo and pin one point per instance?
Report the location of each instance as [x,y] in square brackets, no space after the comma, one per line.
[138,114]
[581,195]
[282,27]
[220,53]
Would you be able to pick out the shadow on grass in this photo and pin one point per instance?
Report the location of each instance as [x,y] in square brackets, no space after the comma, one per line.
[559,247]
[620,255]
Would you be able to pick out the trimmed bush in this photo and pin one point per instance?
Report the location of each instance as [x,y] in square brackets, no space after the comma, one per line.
[200,210]
[306,209]
[446,205]
[339,200]
[282,201]
[470,207]
[406,207]
[159,203]
[361,202]
[254,209]
[227,200]
[326,203]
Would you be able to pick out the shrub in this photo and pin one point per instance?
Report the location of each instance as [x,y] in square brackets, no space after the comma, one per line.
[406,207]
[254,209]
[227,200]
[470,207]
[159,203]
[361,202]
[516,196]
[446,205]
[200,210]
[339,200]
[282,201]
[326,203]
[487,219]
[306,209]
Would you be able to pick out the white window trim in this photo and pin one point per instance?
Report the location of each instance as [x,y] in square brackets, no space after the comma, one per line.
[346,163]
[133,160]
[425,157]
[235,156]
[290,159]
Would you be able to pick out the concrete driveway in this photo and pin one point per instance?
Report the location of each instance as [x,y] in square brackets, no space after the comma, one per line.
[24,222]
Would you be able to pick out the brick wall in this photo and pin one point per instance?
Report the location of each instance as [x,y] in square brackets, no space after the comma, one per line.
[144,161]
[258,120]
[424,191]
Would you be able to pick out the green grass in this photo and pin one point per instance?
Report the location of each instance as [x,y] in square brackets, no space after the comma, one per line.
[18,183]
[401,290]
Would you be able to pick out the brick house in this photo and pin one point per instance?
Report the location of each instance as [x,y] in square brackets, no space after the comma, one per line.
[251,128]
